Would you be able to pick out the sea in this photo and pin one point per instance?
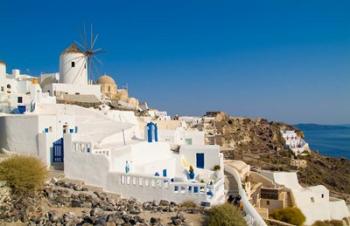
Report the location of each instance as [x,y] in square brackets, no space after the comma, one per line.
[329,140]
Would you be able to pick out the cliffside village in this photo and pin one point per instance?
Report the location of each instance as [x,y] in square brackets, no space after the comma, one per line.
[95,132]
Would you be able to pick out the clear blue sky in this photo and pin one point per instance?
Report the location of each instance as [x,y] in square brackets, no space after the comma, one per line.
[283,60]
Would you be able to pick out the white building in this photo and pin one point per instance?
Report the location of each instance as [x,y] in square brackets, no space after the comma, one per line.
[146,170]
[19,93]
[314,201]
[181,136]
[73,76]
[295,142]
[103,148]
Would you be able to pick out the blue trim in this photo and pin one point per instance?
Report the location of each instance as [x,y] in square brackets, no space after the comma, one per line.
[155,133]
[200,160]
[149,132]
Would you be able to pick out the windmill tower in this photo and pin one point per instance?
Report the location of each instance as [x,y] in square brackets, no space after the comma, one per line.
[73,66]
[76,61]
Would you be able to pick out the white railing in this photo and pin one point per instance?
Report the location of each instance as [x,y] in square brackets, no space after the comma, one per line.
[106,152]
[252,216]
[198,190]
[84,147]
[87,147]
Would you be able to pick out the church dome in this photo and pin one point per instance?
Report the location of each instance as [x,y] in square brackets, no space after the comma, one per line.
[105,79]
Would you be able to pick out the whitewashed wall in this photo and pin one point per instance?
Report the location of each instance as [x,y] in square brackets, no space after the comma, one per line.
[211,154]
[14,137]
[309,199]
[32,139]
[73,89]
[94,170]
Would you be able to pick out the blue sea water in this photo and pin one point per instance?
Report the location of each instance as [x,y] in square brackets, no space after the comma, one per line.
[328,140]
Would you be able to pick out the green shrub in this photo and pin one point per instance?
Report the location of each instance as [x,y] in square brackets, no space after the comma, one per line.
[189,204]
[291,215]
[216,168]
[328,223]
[225,215]
[320,223]
[24,175]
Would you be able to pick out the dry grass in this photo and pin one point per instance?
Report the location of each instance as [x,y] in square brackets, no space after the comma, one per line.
[23,174]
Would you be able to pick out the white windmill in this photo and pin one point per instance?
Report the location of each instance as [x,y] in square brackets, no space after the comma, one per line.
[77,61]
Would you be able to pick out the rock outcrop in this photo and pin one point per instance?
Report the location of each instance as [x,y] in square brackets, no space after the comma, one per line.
[67,203]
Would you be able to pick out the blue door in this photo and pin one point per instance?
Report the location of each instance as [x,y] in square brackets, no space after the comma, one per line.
[149,132]
[200,160]
[164,173]
[58,152]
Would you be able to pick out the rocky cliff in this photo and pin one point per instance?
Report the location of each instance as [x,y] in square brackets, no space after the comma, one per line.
[259,143]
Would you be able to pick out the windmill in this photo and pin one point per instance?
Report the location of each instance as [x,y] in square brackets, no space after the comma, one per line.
[88,48]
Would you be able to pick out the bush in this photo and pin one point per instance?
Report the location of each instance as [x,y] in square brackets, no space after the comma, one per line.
[291,215]
[23,174]
[225,215]
[320,223]
[216,168]
[328,223]
[188,204]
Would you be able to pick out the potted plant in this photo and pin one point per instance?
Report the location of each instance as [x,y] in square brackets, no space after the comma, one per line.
[191,173]
[216,170]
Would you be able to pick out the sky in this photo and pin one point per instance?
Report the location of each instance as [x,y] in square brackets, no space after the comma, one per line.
[282,60]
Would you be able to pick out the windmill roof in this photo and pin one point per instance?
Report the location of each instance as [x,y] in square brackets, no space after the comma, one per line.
[73,48]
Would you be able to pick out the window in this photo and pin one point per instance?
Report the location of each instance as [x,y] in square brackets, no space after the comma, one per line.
[312,199]
[84,65]
[267,202]
[188,141]
[19,100]
[8,86]
[73,64]
[322,195]
[2,89]
[109,89]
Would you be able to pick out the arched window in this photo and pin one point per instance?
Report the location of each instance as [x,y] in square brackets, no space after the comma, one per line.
[73,64]
[8,86]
